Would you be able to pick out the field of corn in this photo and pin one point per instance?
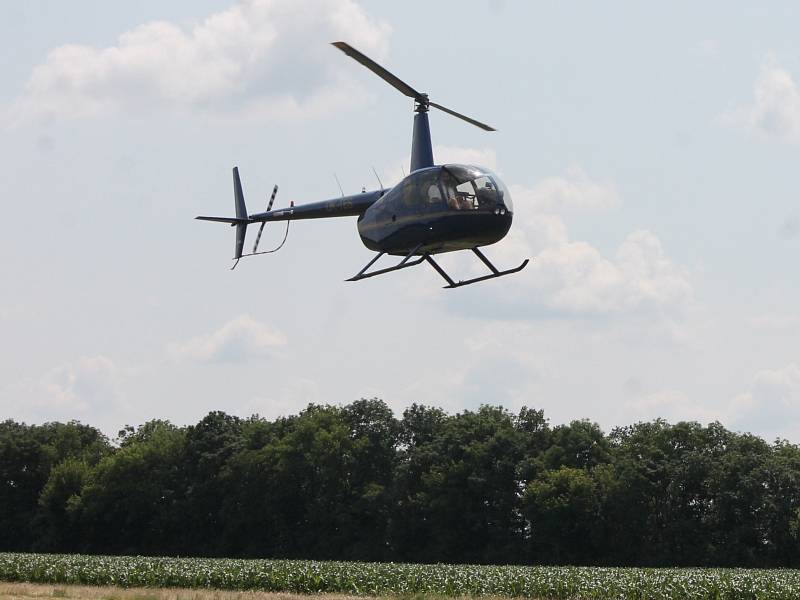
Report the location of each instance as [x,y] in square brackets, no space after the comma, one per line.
[386,579]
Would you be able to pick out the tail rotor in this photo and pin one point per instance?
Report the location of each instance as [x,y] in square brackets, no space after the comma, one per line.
[261,229]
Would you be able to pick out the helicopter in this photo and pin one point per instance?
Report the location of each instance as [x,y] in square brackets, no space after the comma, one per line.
[434,209]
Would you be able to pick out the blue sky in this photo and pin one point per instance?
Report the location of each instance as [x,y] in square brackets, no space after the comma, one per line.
[651,151]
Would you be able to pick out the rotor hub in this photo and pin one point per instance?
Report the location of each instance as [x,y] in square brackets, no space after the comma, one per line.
[421,103]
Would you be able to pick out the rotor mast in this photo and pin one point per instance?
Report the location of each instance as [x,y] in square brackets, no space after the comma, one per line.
[421,145]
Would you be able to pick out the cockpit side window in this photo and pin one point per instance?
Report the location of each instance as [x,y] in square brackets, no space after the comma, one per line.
[434,193]
[449,186]
[410,192]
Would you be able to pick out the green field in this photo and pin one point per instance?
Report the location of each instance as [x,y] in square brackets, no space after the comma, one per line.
[385,579]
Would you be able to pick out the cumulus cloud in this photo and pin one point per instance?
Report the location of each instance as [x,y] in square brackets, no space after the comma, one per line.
[772,404]
[79,390]
[574,277]
[442,155]
[83,385]
[484,157]
[239,340]
[572,191]
[775,111]
[268,57]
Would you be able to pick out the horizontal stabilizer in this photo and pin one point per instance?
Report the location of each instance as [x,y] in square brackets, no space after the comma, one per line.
[231,220]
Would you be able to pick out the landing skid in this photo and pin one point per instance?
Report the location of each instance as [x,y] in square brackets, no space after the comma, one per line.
[407,262]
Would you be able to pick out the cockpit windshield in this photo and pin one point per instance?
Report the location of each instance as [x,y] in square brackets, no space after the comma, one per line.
[474,188]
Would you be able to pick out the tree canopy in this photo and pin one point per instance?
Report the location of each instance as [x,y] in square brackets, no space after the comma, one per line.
[355,482]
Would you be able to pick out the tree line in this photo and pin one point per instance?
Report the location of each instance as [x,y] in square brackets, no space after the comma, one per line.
[356,483]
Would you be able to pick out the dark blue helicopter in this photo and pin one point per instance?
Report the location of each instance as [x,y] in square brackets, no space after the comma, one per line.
[432,210]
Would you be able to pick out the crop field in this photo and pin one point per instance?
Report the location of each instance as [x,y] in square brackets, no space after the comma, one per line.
[389,579]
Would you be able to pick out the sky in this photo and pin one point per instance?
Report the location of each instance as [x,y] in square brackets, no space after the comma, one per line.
[651,150]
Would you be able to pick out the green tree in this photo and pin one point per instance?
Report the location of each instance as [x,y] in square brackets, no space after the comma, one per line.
[27,454]
[24,466]
[565,508]
[209,446]
[375,436]
[581,444]
[781,512]
[132,500]
[59,504]
[457,489]
[292,494]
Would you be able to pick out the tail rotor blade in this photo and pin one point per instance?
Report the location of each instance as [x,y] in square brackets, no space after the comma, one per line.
[272,198]
[483,126]
[258,237]
[269,208]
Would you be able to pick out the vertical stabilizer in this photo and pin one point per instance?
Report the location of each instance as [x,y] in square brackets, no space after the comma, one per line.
[241,212]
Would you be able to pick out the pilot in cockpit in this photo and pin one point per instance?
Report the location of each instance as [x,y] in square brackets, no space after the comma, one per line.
[486,195]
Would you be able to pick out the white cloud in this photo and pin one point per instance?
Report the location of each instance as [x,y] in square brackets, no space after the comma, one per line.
[771,407]
[483,157]
[87,384]
[268,57]
[443,155]
[775,112]
[80,390]
[574,277]
[237,341]
[572,191]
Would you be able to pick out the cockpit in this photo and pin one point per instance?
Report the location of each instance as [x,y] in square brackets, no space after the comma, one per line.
[441,208]
[473,188]
[445,189]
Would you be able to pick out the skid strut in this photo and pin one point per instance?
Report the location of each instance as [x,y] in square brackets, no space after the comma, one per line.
[407,262]
[494,272]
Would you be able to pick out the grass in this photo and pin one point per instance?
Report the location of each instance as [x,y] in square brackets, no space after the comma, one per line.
[31,591]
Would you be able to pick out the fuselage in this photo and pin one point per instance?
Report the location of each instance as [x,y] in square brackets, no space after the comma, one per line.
[438,209]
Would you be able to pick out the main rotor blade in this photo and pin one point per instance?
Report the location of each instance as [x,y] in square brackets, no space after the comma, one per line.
[395,82]
[483,126]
